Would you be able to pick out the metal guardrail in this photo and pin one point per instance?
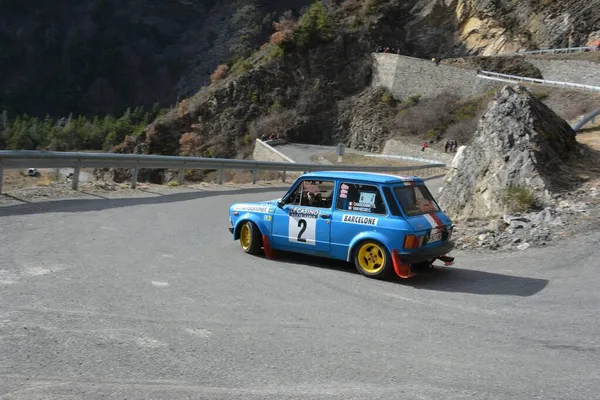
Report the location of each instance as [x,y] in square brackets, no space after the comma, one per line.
[515,79]
[586,118]
[565,50]
[16,159]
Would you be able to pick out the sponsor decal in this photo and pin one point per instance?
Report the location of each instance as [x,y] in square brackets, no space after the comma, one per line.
[357,219]
[356,206]
[303,212]
[251,207]
[267,218]
[367,198]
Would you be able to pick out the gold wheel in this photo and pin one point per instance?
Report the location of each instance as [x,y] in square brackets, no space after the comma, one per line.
[250,237]
[245,237]
[371,258]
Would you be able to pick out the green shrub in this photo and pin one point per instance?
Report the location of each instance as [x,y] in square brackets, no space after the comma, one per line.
[413,100]
[466,111]
[519,199]
[387,98]
[274,52]
[313,26]
[241,65]
[370,7]
[253,96]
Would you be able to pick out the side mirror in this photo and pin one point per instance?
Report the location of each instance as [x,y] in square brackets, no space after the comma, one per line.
[280,204]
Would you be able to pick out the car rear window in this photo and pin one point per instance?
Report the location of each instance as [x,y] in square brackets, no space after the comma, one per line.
[415,200]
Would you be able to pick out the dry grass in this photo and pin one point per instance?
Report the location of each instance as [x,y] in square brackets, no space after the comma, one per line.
[359,159]
[18,179]
[585,168]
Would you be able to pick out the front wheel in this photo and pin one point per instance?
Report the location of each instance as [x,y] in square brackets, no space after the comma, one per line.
[372,259]
[250,237]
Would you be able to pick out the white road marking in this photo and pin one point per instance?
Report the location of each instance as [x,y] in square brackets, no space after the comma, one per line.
[8,278]
[160,284]
[149,342]
[199,332]
[37,271]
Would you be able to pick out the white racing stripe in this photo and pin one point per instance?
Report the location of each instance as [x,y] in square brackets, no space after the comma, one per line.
[431,220]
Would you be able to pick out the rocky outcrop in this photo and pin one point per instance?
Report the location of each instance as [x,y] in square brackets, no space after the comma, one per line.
[488,27]
[517,155]
[362,121]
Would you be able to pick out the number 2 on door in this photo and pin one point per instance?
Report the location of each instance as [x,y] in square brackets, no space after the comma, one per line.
[302,230]
[302,225]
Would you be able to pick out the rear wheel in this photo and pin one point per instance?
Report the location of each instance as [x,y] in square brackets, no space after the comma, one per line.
[372,259]
[250,237]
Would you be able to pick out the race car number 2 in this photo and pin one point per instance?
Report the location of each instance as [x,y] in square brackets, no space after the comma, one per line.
[303,226]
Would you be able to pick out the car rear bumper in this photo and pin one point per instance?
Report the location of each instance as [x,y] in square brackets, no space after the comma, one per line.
[422,255]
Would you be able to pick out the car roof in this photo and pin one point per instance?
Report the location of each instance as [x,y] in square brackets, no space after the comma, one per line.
[363,176]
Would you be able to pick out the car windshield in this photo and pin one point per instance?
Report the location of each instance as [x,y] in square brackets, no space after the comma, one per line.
[415,200]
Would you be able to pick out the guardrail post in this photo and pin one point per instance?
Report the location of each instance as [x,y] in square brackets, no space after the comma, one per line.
[254,176]
[220,178]
[283,176]
[75,181]
[134,176]
[180,176]
[1,177]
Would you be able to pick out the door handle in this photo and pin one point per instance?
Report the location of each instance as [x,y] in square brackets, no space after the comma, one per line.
[325,216]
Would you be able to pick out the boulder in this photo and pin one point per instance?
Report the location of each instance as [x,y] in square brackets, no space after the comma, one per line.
[520,146]
[459,157]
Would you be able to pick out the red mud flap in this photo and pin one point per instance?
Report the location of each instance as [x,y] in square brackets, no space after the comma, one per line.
[402,270]
[448,261]
[269,252]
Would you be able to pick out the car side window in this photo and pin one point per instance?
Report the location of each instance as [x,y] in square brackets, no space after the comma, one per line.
[312,193]
[360,198]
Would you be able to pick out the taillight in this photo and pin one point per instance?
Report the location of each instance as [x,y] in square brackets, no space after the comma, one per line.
[413,242]
[450,229]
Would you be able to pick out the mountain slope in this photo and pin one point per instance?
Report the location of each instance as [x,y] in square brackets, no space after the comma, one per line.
[102,56]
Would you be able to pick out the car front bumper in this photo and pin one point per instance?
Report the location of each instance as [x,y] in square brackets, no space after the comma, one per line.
[230,229]
[425,254]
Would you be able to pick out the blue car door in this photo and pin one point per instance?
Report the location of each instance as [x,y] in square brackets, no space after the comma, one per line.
[303,223]
[359,208]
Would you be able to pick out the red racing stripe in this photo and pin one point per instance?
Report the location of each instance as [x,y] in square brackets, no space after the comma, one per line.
[437,220]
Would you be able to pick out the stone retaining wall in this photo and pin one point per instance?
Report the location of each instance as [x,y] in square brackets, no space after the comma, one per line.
[573,71]
[408,76]
[264,152]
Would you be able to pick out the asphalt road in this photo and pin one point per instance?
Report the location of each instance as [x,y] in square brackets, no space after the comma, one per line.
[149,298]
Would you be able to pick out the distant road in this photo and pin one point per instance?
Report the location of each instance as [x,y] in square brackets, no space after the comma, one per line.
[149,297]
[302,153]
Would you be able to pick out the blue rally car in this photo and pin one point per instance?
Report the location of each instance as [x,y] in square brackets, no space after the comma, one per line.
[385,224]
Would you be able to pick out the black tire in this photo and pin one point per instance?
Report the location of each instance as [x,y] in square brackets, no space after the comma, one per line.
[381,262]
[252,244]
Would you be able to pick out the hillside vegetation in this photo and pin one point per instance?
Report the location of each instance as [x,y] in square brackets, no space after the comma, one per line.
[244,68]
